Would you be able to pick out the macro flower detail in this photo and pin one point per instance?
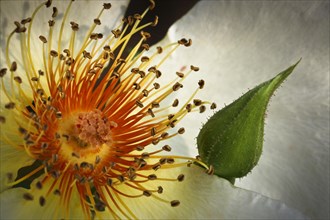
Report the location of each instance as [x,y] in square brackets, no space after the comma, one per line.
[91,117]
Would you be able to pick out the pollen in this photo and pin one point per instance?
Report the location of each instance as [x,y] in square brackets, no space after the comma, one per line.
[94,117]
[93,128]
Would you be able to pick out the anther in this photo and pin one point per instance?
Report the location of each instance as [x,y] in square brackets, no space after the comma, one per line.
[58,114]
[100,206]
[107,5]
[155,141]
[97,159]
[169,160]
[137,16]
[154,105]
[152,5]
[153,131]
[74,154]
[10,105]
[106,56]
[183,41]
[142,74]
[18,25]
[201,84]
[109,182]
[158,74]
[159,49]
[67,51]
[188,107]
[152,69]
[145,46]
[91,72]
[151,112]
[13,66]
[144,59]
[69,75]
[116,33]
[156,167]
[57,135]
[18,79]
[40,92]
[39,185]
[179,74]
[76,167]
[121,178]
[164,135]
[121,61]
[194,68]
[54,158]
[139,148]
[177,86]
[152,177]
[93,36]
[139,103]
[162,160]
[155,22]
[97,21]
[175,203]
[187,44]
[197,102]
[41,73]
[145,34]
[213,106]
[84,165]
[175,103]
[156,85]
[44,145]
[69,61]
[112,55]
[180,178]
[146,193]
[202,108]
[145,92]
[160,190]
[99,65]
[181,130]
[3,72]
[26,20]
[51,23]
[57,192]
[28,196]
[107,48]
[48,3]
[87,55]
[170,116]
[53,53]
[136,86]
[2,119]
[42,201]
[74,26]
[167,148]
[55,12]
[99,36]
[210,171]
[145,155]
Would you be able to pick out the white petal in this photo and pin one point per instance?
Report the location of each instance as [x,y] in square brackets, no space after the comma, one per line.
[13,156]
[241,44]
[205,197]
[14,206]
[201,196]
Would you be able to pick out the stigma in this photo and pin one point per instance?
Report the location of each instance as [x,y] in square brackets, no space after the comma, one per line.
[92,116]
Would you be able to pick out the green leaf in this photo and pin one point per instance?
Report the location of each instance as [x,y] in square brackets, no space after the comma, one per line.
[231,140]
